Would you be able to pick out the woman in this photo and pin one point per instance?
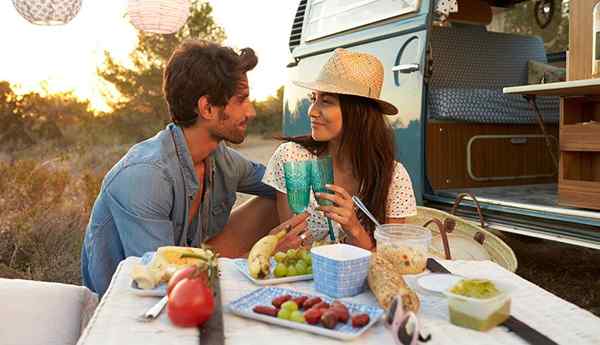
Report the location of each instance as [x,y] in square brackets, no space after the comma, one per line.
[347,122]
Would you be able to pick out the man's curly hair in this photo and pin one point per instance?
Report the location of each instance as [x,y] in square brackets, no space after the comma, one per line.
[197,68]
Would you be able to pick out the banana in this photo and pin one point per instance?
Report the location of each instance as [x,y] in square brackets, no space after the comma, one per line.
[259,258]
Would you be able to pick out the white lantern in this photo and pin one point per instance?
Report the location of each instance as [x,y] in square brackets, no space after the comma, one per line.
[159,16]
[48,12]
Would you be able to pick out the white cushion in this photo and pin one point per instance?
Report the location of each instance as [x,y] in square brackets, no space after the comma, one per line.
[35,312]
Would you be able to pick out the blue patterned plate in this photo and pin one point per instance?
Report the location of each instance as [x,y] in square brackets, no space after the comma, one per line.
[263,296]
[242,266]
[158,291]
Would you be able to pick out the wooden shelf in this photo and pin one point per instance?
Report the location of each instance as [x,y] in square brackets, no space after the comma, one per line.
[580,137]
[575,88]
[574,193]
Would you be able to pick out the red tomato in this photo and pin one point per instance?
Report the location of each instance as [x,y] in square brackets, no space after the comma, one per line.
[190,303]
[179,275]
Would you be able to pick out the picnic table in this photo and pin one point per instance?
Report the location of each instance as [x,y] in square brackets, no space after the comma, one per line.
[115,319]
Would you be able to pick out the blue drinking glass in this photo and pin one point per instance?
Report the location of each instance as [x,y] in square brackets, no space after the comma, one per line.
[321,175]
[321,171]
[297,184]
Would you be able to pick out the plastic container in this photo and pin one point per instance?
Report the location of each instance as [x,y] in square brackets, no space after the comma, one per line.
[479,313]
[340,270]
[414,236]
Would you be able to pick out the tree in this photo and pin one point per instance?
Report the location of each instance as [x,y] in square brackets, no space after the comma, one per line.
[26,118]
[268,115]
[140,101]
[14,127]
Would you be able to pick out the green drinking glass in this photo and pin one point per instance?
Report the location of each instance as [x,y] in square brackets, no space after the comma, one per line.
[297,184]
[321,171]
[321,175]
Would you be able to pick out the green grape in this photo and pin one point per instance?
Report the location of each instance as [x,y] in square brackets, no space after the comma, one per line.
[284,314]
[307,257]
[291,270]
[291,254]
[309,269]
[280,270]
[280,257]
[297,316]
[289,305]
[301,267]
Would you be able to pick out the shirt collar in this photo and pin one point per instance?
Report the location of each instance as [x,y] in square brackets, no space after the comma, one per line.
[185,159]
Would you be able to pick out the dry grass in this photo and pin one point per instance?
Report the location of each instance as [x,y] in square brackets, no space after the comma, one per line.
[45,203]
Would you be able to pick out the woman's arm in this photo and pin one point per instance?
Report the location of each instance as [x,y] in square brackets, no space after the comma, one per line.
[283,209]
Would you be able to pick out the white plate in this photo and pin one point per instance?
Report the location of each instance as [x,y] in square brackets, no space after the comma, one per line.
[263,296]
[438,282]
[242,266]
[158,291]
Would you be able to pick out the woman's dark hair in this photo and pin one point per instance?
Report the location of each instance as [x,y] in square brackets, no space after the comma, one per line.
[197,68]
[368,143]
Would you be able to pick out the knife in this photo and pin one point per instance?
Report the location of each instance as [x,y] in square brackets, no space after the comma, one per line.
[212,332]
[515,325]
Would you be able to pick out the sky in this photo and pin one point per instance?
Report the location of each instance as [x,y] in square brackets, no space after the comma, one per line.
[66,56]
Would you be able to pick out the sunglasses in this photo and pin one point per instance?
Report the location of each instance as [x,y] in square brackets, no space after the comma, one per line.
[404,324]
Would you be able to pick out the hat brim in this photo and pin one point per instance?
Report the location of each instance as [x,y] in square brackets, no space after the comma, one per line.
[386,107]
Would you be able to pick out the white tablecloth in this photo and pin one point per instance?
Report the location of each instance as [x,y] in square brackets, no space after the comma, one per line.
[114,321]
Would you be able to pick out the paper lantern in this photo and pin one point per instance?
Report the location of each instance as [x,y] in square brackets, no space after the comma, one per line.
[48,12]
[159,16]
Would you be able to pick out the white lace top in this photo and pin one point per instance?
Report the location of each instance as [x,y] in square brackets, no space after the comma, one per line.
[400,203]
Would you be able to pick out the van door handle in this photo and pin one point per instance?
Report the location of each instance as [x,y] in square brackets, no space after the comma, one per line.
[406,68]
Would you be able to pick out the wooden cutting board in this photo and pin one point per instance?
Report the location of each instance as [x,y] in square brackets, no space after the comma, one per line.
[212,332]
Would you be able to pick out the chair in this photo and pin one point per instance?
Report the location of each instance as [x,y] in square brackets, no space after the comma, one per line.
[43,313]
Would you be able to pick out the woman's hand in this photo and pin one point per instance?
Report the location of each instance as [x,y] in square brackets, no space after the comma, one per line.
[342,210]
[297,236]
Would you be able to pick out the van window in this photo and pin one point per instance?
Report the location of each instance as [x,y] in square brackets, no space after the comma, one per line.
[326,17]
[521,19]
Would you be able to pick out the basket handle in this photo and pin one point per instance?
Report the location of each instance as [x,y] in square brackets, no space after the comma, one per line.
[460,197]
[444,228]
[479,236]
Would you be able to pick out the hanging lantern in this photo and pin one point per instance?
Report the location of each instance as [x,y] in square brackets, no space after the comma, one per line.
[159,16]
[48,12]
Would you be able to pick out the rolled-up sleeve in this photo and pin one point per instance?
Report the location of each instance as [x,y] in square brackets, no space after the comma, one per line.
[141,200]
[250,176]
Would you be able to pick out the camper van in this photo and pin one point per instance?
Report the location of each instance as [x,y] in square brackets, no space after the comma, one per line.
[457,130]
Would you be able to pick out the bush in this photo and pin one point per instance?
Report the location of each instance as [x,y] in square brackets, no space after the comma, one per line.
[43,213]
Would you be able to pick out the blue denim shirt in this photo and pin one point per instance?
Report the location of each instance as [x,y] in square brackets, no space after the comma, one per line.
[145,200]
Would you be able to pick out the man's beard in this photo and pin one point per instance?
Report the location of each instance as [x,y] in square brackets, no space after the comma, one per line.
[232,134]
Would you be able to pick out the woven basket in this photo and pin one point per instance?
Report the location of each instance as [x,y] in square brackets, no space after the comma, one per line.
[498,251]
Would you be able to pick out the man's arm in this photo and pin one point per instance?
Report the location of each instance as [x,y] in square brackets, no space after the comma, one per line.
[247,224]
[141,200]
[250,175]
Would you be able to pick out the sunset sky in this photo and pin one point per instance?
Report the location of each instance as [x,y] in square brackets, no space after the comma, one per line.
[67,56]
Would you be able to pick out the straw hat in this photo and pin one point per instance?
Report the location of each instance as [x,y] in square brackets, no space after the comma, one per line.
[351,73]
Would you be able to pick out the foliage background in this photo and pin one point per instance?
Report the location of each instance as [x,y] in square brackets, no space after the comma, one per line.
[55,150]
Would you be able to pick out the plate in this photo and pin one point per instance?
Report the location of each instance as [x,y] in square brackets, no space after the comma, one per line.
[263,296]
[438,282]
[158,291]
[242,266]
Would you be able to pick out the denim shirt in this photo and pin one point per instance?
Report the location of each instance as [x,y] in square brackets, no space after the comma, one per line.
[145,199]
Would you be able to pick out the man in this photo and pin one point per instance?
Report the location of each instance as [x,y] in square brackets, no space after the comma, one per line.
[178,187]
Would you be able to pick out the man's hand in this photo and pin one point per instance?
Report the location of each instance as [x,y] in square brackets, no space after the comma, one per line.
[298,236]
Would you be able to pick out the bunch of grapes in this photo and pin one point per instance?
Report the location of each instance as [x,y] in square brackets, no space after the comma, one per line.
[294,262]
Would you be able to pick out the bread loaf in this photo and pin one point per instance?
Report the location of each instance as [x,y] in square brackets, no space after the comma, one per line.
[386,282]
